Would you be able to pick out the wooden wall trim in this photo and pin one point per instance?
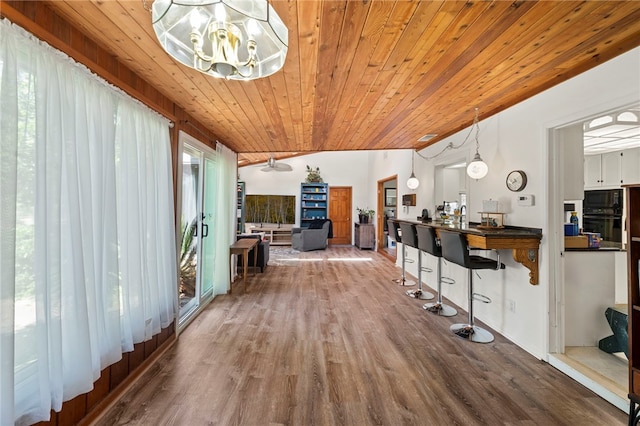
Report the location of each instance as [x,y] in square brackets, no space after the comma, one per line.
[41,21]
[38,19]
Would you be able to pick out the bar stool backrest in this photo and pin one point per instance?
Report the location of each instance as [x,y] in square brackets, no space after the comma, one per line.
[393,230]
[409,236]
[455,248]
[428,240]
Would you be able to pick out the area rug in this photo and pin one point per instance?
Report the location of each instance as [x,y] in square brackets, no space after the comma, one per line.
[283,256]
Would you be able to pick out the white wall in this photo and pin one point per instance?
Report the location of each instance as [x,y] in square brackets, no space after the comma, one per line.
[398,162]
[517,139]
[513,139]
[348,168]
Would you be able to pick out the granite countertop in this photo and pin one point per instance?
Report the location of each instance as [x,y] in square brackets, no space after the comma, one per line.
[472,228]
[594,249]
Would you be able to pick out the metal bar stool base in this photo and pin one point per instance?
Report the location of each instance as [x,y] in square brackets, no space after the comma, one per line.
[440,309]
[404,283]
[473,333]
[420,294]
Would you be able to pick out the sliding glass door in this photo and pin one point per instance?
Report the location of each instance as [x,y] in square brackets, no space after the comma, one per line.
[196,241]
[208,240]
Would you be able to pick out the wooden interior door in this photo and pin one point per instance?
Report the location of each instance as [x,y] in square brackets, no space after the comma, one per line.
[340,214]
[381,232]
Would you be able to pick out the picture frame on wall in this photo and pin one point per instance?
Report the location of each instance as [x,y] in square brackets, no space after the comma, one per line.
[390,197]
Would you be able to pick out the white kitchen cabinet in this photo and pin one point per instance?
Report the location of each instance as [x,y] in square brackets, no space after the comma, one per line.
[603,170]
[611,168]
[572,150]
[592,171]
[630,166]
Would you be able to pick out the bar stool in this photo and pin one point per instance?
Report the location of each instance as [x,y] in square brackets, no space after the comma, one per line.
[429,243]
[410,239]
[394,232]
[455,248]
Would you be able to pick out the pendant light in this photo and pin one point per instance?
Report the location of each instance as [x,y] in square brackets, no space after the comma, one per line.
[477,169]
[413,181]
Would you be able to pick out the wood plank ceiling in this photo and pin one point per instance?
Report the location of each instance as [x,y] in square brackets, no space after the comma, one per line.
[363,75]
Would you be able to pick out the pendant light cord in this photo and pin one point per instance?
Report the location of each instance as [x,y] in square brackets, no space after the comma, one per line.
[412,157]
[451,145]
[475,123]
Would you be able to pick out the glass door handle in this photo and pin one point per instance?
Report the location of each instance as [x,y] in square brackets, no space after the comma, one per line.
[205,230]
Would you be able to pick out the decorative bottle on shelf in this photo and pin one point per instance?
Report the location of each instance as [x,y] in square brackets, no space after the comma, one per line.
[574,221]
[574,218]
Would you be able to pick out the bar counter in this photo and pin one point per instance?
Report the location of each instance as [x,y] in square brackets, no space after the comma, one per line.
[523,242]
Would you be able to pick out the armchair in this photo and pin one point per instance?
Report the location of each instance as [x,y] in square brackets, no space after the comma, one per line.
[310,239]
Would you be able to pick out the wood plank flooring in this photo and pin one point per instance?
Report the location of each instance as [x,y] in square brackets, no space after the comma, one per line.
[335,342]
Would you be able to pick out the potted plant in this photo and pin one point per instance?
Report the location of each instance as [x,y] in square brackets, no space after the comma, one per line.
[365,214]
[313,175]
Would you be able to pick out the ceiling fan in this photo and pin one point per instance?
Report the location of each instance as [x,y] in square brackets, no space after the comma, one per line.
[272,165]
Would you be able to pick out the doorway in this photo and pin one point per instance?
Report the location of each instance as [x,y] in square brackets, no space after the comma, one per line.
[387,209]
[196,244]
[583,283]
[340,214]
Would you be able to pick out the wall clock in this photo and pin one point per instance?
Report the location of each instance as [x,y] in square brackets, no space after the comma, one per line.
[516,180]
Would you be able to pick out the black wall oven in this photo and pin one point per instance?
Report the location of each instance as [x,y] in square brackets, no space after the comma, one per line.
[602,213]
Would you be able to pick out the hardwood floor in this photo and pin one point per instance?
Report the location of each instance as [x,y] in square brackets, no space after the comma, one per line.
[335,342]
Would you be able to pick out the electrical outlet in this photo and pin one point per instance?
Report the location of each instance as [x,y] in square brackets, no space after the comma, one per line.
[511,305]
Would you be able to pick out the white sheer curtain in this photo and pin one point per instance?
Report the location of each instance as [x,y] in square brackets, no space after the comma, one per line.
[227,163]
[146,229]
[87,242]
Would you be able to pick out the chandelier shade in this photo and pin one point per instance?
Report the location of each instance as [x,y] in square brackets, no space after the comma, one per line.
[232,39]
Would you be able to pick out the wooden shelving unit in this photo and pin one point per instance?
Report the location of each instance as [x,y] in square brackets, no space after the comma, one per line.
[276,236]
[314,203]
[632,195]
[240,208]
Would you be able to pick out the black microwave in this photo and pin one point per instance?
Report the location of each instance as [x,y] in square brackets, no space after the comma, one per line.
[603,200]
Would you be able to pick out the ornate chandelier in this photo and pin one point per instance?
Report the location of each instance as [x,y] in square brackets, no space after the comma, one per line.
[232,39]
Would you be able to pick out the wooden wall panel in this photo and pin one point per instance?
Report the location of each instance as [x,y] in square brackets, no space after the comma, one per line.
[101,389]
[119,371]
[112,382]
[73,411]
[136,357]
[150,346]
[44,23]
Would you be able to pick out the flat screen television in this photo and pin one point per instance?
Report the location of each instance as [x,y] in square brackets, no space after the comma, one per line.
[270,209]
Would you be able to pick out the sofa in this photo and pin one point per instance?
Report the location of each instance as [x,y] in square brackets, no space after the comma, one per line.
[263,252]
[311,239]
